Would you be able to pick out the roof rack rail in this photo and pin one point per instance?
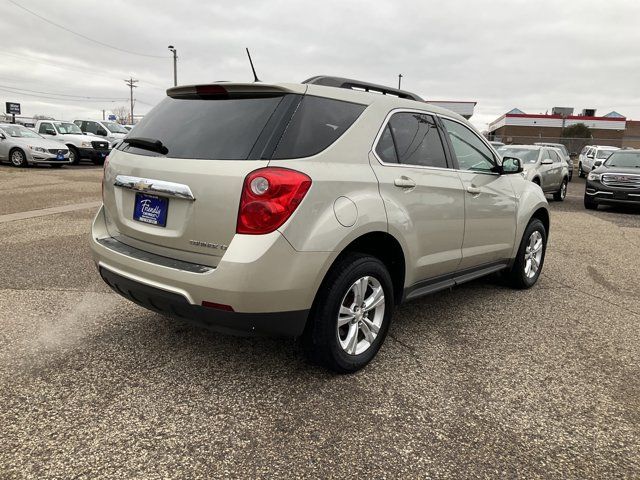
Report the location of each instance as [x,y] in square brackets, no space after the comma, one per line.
[340,82]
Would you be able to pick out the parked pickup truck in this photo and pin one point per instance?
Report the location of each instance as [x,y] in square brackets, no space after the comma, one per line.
[81,145]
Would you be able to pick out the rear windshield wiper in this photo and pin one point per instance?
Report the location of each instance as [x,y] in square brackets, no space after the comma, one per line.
[147,144]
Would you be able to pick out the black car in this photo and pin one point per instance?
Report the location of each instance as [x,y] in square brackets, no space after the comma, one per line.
[614,182]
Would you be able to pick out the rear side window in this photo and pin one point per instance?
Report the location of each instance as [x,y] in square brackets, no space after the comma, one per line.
[417,140]
[316,124]
[385,148]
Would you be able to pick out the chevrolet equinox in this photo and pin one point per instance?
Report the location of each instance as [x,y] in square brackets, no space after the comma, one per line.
[309,210]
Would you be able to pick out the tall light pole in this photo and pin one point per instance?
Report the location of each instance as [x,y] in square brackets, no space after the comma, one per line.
[175,64]
[132,84]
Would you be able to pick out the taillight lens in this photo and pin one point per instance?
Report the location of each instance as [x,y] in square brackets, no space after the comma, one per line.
[269,197]
[104,170]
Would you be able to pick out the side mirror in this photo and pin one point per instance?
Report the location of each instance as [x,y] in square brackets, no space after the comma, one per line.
[511,165]
[597,163]
[49,131]
[547,161]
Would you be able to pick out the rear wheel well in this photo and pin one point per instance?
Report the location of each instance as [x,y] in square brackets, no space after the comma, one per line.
[387,249]
[543,215]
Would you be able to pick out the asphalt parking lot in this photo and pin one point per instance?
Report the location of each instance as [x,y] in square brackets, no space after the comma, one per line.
[480,381]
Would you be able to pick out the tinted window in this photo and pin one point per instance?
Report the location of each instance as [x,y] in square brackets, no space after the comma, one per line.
[316,124]
[91,127]
[555,157]
[417,140]
[385,148]
[44,126]
[471,152]
[206,129]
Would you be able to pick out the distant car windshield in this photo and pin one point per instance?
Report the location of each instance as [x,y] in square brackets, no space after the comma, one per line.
[67,128]
[624,160]
[18,131]
[527,155]
[604,153]
[115,127]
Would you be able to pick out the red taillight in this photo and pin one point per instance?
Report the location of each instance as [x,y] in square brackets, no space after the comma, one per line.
[217,306]
[104,170]
[269,197]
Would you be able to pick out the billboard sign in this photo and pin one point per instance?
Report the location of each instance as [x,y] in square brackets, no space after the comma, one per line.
[13,108]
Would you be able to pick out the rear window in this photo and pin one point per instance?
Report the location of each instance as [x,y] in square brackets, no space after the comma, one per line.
[285,126]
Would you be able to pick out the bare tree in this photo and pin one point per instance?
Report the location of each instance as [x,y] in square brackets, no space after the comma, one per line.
[121,113]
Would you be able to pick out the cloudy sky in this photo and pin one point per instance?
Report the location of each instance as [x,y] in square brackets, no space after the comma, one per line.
[503,54]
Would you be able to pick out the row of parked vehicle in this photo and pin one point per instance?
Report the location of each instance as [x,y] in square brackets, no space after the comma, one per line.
[59,143]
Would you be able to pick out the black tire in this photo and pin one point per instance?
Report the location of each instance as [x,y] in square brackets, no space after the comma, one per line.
[98,161]
[516,277]
[589,204]
[581,173]
[74,155]
[18,158]
[561,194]
[321,337]
[571,174]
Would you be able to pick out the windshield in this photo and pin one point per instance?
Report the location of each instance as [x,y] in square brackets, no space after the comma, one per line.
[603,153]
[18,131]
[527,155]
[115,127]
[68,128]
[624,160]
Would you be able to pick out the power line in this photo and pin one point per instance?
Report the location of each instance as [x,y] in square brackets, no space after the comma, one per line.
[59,98]
[88,97]
[81,35]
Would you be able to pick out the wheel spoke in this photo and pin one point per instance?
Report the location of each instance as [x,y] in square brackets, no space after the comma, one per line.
[527,267]
[366,331]
[375,299]
[345,316]
[371,326]
[538,246]
[351,340]
[360,289]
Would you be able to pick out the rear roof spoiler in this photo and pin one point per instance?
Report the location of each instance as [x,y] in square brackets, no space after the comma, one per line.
[231,90]
[348,83]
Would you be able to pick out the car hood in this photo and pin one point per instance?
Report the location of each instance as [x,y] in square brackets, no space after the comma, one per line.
[38,142]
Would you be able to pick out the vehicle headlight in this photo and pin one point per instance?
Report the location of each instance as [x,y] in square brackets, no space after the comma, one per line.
[37,149]
[594,176]
[85,144]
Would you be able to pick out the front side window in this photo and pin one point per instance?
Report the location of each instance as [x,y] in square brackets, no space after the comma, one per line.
[417,140]
[554,156]
[44,127]
[471,152]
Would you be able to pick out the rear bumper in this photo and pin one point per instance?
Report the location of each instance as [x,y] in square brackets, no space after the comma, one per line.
[176,306]
[269,286]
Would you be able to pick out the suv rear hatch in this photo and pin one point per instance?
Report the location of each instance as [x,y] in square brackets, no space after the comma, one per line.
[174,188]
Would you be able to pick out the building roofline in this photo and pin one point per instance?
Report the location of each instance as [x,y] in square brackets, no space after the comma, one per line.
[568,117]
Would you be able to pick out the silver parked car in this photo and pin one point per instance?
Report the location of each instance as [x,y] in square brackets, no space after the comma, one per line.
[544,166]
[565,154]
[23,147]
[309,210]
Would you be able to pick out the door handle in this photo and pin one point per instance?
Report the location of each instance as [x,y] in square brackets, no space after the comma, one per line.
[404,182]
[473,190]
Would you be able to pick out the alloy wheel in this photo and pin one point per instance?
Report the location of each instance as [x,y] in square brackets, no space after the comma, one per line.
[533,254]
[17,158]
[361,315]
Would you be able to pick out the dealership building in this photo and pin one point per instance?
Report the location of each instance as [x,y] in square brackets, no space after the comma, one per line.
[516,126]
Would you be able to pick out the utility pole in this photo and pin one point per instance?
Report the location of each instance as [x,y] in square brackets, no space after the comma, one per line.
[132,84]
[175,64]
[399,80]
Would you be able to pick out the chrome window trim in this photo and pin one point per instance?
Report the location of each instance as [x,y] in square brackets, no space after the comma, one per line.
[160,187]
[422,167]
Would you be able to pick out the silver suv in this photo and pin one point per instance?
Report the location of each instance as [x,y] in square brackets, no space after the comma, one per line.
[309,210]
[544,166]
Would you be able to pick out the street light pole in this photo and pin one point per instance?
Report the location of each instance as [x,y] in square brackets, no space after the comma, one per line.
[132,84]
[175,64]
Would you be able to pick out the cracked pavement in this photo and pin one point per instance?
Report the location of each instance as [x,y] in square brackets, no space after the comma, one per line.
[478,381]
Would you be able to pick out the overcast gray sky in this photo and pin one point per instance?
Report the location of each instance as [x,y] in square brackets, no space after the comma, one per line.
[503,54]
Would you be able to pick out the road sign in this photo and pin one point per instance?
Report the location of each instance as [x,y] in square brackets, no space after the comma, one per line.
[13,108]
[113,118]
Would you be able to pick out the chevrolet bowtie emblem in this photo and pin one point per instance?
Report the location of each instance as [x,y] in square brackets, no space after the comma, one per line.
[142,186]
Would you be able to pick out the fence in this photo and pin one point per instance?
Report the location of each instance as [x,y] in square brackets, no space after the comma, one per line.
[574,145]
